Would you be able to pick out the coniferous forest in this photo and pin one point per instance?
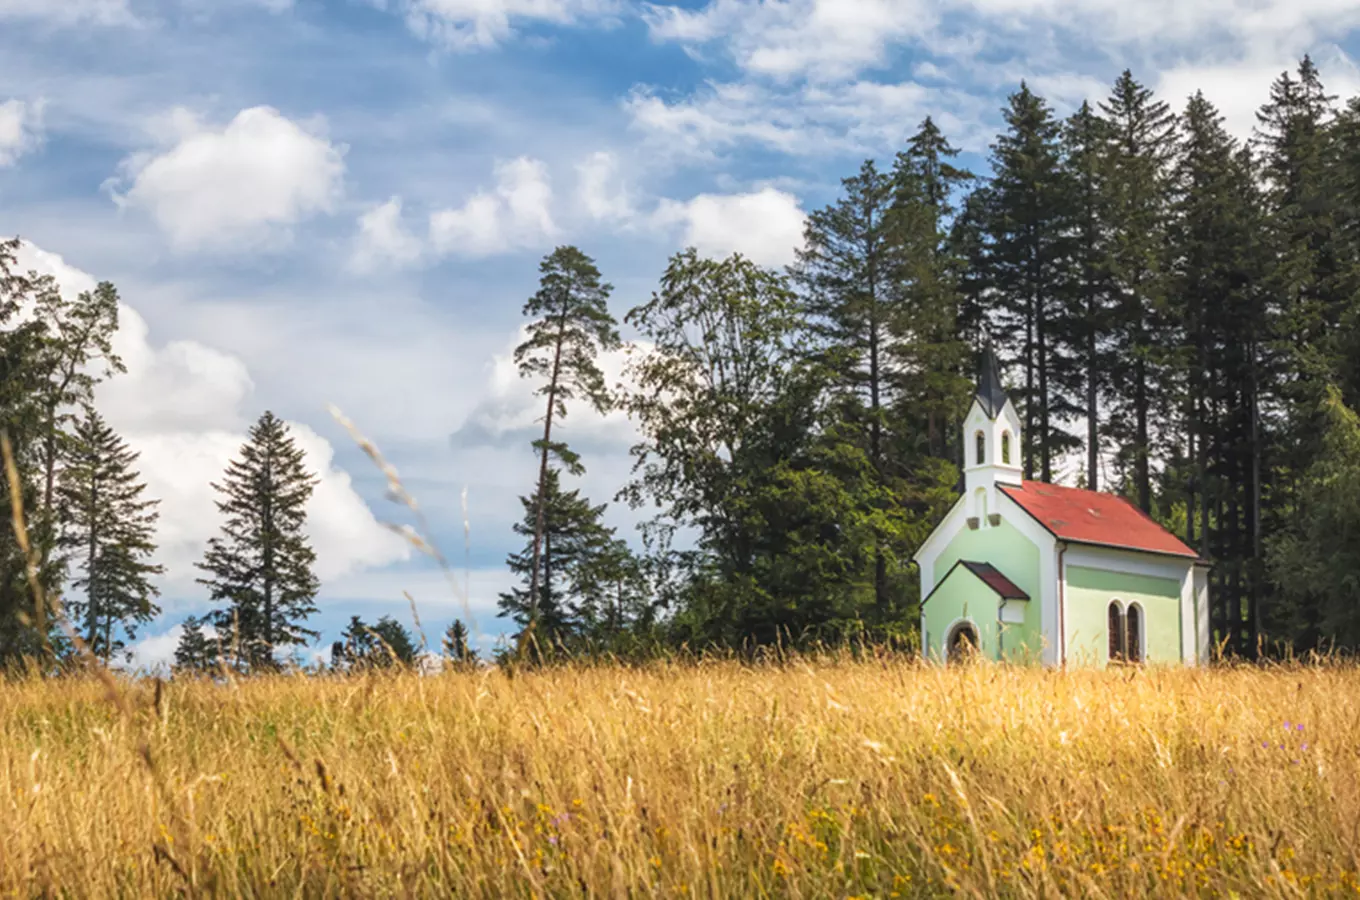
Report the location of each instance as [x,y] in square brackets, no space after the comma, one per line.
[1177,310]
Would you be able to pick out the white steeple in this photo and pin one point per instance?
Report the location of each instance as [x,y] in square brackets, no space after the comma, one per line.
[991,442]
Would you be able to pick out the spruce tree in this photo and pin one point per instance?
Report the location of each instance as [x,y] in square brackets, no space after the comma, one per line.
[931,351]
[110,530]
[196,652]
[384,645]
[850,276]
[571,533]
[261,565]
[455,643]
[1082,372]
[1141,147]
[1028,271]
[571,326]
[26,628]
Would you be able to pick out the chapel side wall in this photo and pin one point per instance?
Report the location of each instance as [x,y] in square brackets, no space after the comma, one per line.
[961,596]
[1017,557]
[1089,592]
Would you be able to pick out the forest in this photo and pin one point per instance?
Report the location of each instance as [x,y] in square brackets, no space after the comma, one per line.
[1177,311]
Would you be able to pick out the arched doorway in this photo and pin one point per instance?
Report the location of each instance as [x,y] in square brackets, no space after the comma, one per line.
[962,643]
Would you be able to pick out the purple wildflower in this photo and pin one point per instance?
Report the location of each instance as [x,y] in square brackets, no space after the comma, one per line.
[1299,727]
[1303,746]
[552,839]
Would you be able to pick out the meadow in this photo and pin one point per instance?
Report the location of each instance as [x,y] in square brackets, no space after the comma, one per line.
[804,778]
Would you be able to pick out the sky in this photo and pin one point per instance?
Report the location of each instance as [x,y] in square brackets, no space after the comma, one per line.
[314,202]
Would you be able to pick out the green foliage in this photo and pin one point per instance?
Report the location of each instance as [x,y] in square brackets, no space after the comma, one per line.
[384,645]
[455,643]
[261,564]
[1316,560]
[196,653]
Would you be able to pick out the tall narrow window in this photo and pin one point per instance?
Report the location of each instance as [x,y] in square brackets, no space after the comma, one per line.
[981,448]
[1115,628]
[1133,634]
[1005,448]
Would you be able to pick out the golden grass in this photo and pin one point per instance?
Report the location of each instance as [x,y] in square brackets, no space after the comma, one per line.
[817,779]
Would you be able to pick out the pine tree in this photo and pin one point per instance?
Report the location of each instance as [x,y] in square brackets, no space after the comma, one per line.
[261,565]
[1309,285]
[1141,146]
[1027,263]
[26,628]
[196,652]
[110,530]
[849,273]
[571,327]
[455,643]
[1083,372]
[384,645]
[571,533]
[612,592]
[930,348]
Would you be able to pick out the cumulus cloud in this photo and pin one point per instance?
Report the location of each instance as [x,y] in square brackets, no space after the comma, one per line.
[820,39]
[384,240]
[807,81]
[600,190]
[20,129]
[479,24]
[515,215]
[241,184]
[765,226]
[183,407]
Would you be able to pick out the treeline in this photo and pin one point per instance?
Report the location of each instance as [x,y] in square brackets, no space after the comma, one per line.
[1179,313]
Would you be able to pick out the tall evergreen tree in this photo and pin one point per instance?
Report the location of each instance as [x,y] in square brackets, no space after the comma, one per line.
[1082,372]
[931,350]
[111,531]
[571,326]
[849,272]
[1027,261]
[1309,287]
[196,653]
[261,565]
[383,645]
[455,643]
[1142,144]
[26,627]
[571,532]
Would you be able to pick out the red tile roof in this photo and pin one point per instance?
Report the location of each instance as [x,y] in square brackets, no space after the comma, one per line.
[1007,589]
[1091,517]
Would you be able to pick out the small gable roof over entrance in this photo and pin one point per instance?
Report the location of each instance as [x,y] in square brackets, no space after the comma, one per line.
[1092,517]
[988,575]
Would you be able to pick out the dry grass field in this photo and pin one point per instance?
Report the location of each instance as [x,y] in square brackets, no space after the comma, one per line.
[808,779]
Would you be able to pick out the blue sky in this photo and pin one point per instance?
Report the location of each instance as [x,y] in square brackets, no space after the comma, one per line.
[306,202]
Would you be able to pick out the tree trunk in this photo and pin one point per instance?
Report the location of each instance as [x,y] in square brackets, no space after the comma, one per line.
[543,474]
[91,592]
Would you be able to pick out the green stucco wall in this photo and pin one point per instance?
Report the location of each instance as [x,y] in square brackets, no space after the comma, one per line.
[1016,557]
[1089,592]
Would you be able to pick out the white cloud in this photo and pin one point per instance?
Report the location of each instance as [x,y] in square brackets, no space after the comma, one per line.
[766,226]
[855,117]
[600,190]
[242,184]
[384,240]
[20,129]
[68,12]
[516,215]
[478,24]
[782,39]
[182,406]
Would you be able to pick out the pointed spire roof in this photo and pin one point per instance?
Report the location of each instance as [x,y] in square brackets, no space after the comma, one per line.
[990,393]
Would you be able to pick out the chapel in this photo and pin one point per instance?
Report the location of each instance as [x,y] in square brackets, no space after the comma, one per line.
[1026,571]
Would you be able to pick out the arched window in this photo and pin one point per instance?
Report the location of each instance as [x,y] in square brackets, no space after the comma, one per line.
[1115,627]
[1005,448]
[981,448]
[1133,634]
